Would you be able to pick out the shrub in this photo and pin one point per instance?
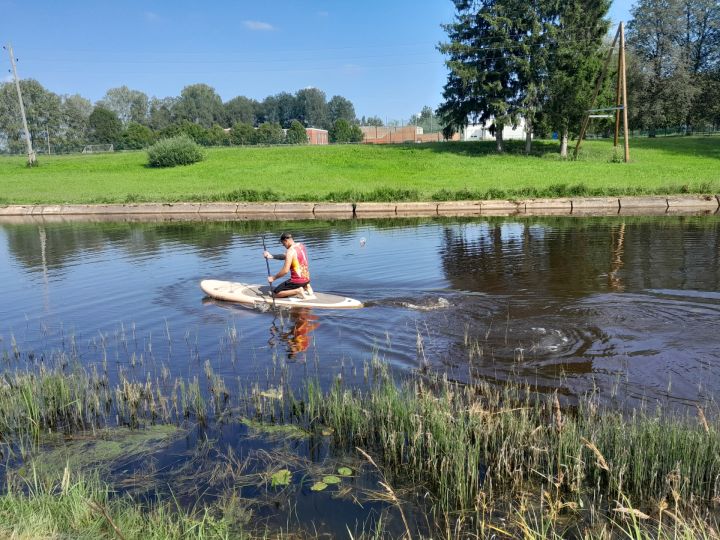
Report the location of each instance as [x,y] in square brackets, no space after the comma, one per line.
[269,133]
[296,134]
[343,131]
[137,136]
[242,133]
[180,150]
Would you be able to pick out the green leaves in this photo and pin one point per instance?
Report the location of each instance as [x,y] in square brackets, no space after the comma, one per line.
[331,479]
[281,478]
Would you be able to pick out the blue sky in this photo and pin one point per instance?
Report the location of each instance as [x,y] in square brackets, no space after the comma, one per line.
[379,54]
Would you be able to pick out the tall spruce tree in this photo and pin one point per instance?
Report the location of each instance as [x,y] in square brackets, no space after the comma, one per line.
[482,84]
[575,62]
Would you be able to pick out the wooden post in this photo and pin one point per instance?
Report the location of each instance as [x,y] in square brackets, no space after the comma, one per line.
[624,92]
[618,101]
[586,120]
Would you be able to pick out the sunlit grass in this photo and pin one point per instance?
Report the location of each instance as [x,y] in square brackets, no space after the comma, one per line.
[438,171]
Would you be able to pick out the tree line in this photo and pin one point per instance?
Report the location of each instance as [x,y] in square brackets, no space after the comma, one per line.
[129,119]
[539,61]
[674,65]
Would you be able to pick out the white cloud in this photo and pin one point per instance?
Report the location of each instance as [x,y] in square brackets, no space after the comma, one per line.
[323,13]
[258,25]
[7,78]
[151,16]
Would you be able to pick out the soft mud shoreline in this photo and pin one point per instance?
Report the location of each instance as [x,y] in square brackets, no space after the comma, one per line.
[581,206]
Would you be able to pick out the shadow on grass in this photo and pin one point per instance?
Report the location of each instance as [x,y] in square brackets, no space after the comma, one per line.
[706,146]
[698,145]
[487,148]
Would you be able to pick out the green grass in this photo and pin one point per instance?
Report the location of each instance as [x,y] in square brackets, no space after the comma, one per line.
[364,172]
[467,453]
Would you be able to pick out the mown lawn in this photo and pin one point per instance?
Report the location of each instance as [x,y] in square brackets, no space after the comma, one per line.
[439,171]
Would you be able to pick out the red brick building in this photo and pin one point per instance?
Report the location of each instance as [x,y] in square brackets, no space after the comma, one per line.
[317,136]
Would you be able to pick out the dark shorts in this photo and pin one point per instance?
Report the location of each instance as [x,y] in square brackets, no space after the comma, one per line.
[288,286]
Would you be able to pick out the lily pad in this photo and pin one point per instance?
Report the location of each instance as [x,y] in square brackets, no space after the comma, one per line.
[344,471]
[272,393]
[280,478]
[319,486]
[331,479]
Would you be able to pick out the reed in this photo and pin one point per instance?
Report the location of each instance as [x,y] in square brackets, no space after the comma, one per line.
[466,443]
[472,452]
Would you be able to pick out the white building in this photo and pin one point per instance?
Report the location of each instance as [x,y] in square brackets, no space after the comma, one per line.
[481,132]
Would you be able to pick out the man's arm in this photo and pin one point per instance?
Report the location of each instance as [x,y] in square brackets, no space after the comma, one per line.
[269,255]
[286,267]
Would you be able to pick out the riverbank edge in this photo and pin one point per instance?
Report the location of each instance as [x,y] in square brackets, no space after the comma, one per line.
[580,206]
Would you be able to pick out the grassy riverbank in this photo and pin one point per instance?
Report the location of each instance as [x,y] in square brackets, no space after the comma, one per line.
[381,173]
[447,460]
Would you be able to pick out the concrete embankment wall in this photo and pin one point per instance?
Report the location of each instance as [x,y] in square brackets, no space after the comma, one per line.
[585,206]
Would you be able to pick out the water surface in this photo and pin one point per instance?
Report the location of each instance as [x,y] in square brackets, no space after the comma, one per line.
[627,307]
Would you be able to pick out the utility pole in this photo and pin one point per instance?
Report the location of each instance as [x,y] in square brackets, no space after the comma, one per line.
[31,155]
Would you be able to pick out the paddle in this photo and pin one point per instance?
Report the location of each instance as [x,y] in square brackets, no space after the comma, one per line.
[267,264]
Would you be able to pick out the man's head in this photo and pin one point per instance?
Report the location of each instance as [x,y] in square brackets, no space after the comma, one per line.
[286,238]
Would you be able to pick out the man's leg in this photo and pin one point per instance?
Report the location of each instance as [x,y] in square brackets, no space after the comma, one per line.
[287,289]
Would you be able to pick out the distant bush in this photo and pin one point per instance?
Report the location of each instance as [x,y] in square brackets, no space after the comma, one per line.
[180,150]
[296,134]
[137,136]
[343,131]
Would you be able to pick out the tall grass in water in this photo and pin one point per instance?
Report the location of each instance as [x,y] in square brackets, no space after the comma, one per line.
[468,445]
[84,507]
[472,452]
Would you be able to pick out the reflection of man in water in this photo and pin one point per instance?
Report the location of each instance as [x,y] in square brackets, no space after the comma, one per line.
[298,336]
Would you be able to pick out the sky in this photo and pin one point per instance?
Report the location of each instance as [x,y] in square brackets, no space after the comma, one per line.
[381,55]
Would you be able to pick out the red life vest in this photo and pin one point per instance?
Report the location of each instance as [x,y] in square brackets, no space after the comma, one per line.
[299,268]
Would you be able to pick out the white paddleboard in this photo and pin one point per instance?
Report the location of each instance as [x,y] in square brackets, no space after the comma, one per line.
[253,294]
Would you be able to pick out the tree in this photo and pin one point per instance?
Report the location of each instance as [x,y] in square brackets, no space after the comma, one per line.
[269,133]
[311,108]
[575,64]
[280,109]
[200,104]
[705,111]
[296,134]
[75,111]
[373,121]
[700,37]
[137,136]
[340,107]
[240,109]
[104,127]
[343,131]
[427,120]
[664,96]
[161,112]
[128,105]
[242,134]
[533,23]
[216,136]
[42,110]
[482,84]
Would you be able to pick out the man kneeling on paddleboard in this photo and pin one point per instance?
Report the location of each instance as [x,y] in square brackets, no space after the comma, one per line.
[296,262]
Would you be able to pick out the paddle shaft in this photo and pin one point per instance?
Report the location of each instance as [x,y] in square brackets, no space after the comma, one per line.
[267,264]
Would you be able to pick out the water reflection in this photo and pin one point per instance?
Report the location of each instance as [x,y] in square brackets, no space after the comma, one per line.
[628,306]
[295,332]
